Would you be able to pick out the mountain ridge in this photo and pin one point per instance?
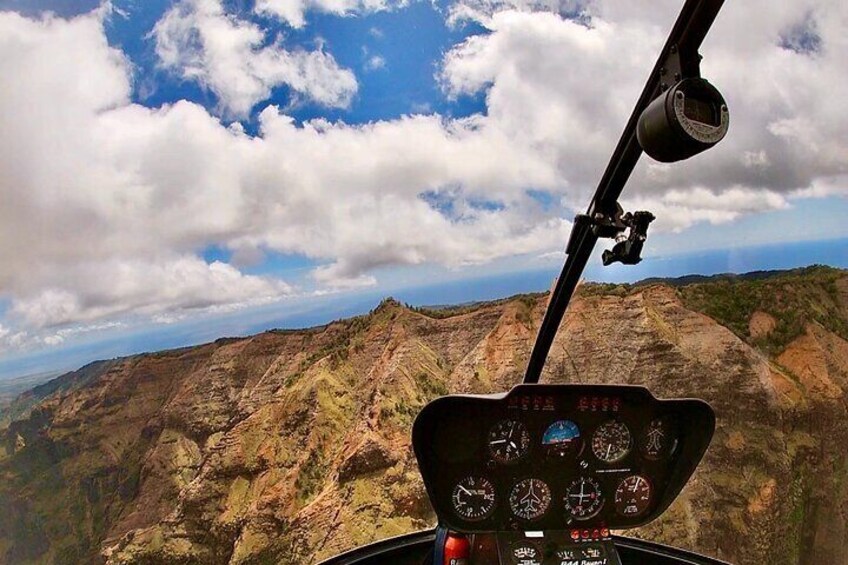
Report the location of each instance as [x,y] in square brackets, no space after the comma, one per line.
[293,446]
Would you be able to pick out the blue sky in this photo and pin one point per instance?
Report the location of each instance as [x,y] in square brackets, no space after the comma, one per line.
[179,170]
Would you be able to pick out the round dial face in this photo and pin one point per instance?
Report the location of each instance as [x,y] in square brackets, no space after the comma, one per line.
[473,498]
[508,441]
[583,498]
[530,499]
[612,441]
[657,441]
[562,439]
[525,553]
[633,496]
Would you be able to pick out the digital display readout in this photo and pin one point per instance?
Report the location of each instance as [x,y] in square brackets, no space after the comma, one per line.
[599,404]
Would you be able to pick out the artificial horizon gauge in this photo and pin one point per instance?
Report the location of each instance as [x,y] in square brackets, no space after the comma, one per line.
[473,498]
[583,498]
[658,439]
[530,499]
[562,439]
[612,441]
[509,441]
[633,496]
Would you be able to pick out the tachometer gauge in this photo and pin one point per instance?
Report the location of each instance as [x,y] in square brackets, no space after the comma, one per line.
[525,553]
[583,498]
[473,498]
[508,441]
[658,439]
[562,439]
[530,499]
[612,441]
[633,496]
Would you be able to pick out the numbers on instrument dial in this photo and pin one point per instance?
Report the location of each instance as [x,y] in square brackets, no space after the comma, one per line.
[530,499]
[583,498]
[612,441]
[474,498]
[633,496]
[509,441]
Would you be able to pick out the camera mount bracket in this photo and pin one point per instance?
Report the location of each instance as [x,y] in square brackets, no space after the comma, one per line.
[628,248]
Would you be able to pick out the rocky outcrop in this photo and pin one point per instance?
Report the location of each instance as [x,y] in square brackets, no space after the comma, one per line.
[290,447]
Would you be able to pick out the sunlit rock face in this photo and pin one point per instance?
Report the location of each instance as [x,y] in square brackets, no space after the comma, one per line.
[292,446]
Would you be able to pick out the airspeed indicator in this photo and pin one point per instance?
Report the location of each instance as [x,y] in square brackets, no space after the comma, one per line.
[473,498]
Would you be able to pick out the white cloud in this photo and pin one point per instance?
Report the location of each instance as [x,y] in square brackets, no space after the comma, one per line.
[106,204]
[583,75]
[199,41]
[108,288]
[375,62]
[482,10]
[293,12]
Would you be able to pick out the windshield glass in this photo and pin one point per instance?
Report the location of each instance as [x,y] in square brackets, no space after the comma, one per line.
[243,244]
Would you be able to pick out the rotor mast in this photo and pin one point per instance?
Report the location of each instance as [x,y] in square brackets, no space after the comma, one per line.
[678,60]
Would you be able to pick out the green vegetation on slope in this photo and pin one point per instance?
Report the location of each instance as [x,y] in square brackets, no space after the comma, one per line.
[793,298]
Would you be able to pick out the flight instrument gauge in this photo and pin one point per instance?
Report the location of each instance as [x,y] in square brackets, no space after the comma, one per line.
[473,498]
[633,496]
[530,499]
[583,498]
[525,553]
[562,439]
[612,441]
[508,441]
[658,439]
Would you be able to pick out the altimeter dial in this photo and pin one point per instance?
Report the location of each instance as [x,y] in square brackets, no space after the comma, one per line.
[530,499]
[633,496]
[612,441]
[583,498]
[473,498]
[509,441]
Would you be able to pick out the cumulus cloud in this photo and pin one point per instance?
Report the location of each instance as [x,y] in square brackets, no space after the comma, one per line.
[107,204]
[293,12]
[584,71]
[197,40]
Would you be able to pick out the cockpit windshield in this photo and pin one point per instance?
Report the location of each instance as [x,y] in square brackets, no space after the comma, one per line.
[514,282]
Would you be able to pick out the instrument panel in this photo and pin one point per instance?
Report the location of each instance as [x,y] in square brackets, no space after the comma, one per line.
[558,457]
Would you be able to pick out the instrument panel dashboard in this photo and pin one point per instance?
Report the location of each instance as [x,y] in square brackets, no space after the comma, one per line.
[558,457]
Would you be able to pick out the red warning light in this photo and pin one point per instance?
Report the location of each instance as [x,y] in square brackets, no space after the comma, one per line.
[457,549]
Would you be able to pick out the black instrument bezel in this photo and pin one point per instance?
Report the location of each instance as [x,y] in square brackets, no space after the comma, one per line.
[449,439]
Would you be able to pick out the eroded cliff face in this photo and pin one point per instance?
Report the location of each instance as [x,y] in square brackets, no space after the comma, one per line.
[290,447]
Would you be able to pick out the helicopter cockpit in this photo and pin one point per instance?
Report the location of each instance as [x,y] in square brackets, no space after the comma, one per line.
[544,474]
[547,471]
